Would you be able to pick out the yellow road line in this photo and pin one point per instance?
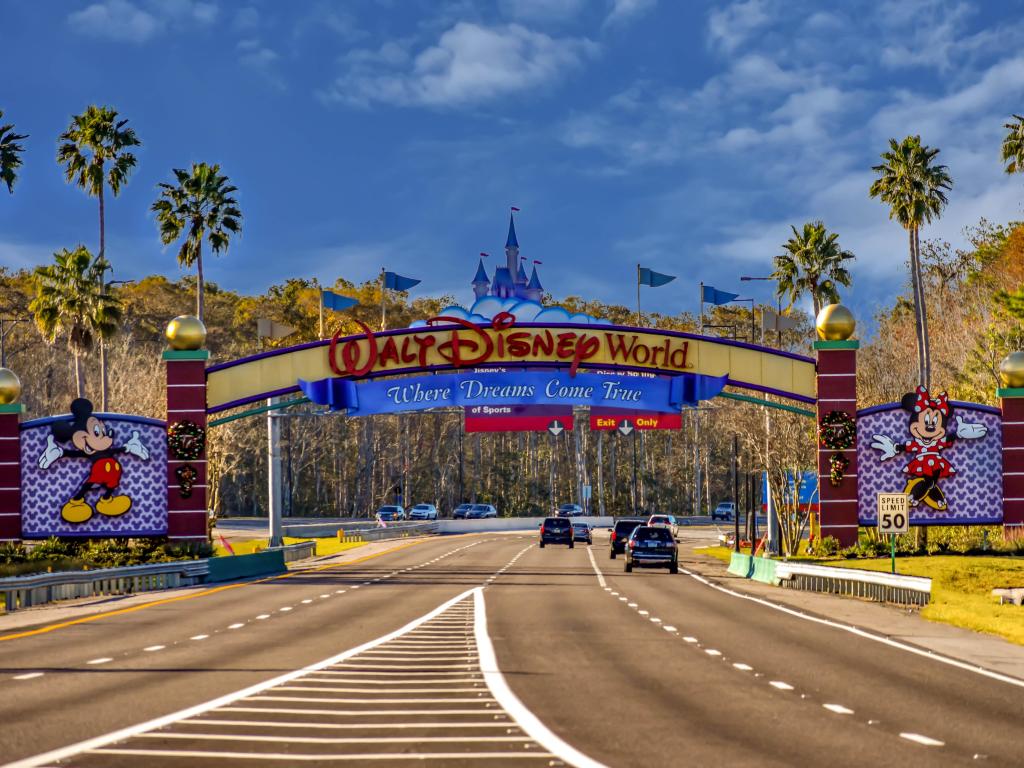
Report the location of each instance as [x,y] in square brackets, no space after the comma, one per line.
[204,593]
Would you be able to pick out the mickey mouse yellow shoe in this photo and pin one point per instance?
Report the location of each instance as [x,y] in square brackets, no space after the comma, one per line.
[76,511]
[936,499]
[114,505]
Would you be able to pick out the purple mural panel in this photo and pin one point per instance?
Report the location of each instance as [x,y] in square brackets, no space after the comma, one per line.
[128,492]
[973,491]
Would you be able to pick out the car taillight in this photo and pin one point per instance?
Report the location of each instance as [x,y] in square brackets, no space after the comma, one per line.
[542,529]
[632,544]
[613,535]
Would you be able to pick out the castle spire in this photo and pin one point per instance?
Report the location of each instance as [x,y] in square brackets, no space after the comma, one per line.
[481,283]
[511,241]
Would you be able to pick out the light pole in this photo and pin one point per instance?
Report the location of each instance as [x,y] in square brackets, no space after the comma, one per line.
[773,523]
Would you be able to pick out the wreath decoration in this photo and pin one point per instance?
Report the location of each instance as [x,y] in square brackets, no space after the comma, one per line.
[186,440]
[837,464]
[837,431]
[187,476]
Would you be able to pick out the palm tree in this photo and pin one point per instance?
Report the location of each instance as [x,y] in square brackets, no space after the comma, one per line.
[9,151]
[1013,145]
[200,205]
[915,190]
[813,263]
[71,302]
[94,153]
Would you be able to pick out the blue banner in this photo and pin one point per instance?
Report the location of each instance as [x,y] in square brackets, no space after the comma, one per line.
[653,279]
[336,301]
[418,393]
[711,295]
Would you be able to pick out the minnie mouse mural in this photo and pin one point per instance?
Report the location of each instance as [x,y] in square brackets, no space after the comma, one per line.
[929,436]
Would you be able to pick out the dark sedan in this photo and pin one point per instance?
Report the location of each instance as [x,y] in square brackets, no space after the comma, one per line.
[582,532]
[620,534]
[556,530]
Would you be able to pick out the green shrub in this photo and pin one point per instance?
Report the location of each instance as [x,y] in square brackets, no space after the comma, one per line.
[54,548]
[850,552]
[829,546]
[12,553]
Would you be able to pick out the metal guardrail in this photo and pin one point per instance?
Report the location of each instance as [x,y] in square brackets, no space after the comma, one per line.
[41,588]
[871,585]
[392,531]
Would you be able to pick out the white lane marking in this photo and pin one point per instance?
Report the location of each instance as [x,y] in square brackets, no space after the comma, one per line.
[644,613]
[286,608]
[236,626]
[690,639]
[632,605]
[322,597]
[839,709]
[865,634]
[600,576]
[742,667]
[222,701]
[27,676]
[263,616]
[355,586]
[342,740]
[615,594]
[523,717]
[669,628]
[100,660]
[293,757]
[712,652]
[152,648]
[340,726]
[198,637]
[306,602]
[623,599]
[781,685]
[655,619]
[926,740]
[339,591]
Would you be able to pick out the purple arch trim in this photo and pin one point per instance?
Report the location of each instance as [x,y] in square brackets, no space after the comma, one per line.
[515,364]
[954,403]
[112,416]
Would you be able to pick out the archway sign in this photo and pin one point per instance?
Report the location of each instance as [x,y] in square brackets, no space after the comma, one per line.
[456,362]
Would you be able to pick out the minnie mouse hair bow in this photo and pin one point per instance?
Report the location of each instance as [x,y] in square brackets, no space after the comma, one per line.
[925,401]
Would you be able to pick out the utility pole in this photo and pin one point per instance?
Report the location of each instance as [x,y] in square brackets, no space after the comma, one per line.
[736,491]
[273,476]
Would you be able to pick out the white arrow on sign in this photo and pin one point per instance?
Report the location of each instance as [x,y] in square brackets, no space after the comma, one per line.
[625,427]
[556,428]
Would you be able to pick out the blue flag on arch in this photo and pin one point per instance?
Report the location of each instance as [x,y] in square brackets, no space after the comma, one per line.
[654,279]
[711,295]
[395,282]
[336,301]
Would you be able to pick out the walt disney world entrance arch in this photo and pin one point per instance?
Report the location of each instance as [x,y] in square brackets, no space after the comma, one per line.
[966,462]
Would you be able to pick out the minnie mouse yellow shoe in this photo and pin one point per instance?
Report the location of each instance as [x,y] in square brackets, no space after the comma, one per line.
[76,511]
[113,505]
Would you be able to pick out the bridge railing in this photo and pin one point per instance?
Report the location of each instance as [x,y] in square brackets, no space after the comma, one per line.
[392,531]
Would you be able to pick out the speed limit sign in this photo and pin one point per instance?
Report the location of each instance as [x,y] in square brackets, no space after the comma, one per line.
[893,513]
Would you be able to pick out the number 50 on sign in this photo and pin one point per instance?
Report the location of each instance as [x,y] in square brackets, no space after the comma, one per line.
[893,513]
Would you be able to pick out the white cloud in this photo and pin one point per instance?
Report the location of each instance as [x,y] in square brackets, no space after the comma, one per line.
[261,59]
[625,10]
[730,26]
[541,10]
[127,22]
[117,20]
[469,64]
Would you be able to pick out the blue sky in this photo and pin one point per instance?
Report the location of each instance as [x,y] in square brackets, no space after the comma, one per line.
[687,136]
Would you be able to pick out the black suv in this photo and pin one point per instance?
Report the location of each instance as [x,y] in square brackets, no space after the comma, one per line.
[652,545]
[556,530]
[620,533]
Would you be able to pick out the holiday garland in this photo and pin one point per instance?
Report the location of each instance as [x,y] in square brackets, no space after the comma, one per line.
[837,464]
[186,440]
[187,476]
[837,431]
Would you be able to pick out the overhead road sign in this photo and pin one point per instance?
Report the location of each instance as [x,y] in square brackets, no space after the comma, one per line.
[611,418]
[516,418]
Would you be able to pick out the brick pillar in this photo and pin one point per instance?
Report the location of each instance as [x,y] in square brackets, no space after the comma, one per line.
[186,401]
[837,391]
[10,471]
[1012,402]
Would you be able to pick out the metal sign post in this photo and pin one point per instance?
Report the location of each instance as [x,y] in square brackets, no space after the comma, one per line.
[626,429]
[893,519]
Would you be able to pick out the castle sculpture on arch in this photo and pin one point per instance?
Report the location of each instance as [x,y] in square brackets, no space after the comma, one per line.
[510,281]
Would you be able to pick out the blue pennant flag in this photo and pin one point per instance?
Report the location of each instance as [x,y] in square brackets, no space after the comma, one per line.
[654,279]
[396,282]
[336,301]
[711,295]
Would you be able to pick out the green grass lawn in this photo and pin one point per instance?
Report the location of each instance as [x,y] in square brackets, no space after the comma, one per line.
[329,545]
[961,587]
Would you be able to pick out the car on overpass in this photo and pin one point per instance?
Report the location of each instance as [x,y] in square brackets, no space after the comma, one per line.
[652,546]
[423,512]
[620,534]
[391,513]
[460,512]
[556,530]
[569,510]
[481,511]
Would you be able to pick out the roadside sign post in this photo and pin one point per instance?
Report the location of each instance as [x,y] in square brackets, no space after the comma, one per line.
[625,429]
[893,519]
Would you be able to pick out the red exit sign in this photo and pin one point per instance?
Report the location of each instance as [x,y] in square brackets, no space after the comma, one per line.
[610,418]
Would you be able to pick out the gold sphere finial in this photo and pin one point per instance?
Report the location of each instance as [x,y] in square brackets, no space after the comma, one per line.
[1011,370]
[186,332]
[10,386]
[835,323]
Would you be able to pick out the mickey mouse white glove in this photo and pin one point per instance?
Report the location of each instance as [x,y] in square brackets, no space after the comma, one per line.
[136,448]
[969,431]
[885,445]
[50,454]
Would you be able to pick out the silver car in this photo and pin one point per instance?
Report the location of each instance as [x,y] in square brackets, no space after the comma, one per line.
[423,512]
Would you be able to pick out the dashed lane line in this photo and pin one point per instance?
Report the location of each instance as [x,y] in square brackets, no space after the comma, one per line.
[924,740]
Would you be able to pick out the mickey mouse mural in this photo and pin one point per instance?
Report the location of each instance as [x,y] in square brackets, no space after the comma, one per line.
[89,438]
[930,434]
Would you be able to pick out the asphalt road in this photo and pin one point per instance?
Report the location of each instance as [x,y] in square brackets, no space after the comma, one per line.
[484,649]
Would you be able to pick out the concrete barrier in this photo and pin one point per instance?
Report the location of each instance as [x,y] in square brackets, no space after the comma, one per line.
[741,565]
[234,567]
[495,524]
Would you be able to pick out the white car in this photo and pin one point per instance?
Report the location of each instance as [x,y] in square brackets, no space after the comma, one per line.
[668,521]
[423,512]
[726,510]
